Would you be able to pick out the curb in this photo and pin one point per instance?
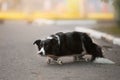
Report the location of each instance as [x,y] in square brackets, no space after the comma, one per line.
[65,22]
[99,35]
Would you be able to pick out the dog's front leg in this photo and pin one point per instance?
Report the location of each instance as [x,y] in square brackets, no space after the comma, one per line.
[49,60]
[53,59]
[57,61]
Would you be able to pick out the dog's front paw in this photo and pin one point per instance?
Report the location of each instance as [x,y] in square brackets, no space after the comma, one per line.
[53,61]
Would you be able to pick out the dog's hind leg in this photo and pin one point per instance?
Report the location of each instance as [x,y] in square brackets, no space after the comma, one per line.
[57,61]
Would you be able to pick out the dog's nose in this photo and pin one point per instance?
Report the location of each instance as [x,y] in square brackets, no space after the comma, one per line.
[41,53]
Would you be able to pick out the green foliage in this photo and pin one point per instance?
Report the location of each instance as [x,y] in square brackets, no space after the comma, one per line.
[114,30]
[116,4]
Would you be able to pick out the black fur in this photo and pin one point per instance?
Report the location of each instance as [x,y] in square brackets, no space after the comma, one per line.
[70,44]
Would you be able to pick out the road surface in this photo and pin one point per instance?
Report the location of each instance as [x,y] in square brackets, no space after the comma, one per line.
[19,61]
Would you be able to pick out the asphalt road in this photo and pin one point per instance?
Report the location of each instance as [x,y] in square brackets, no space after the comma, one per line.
[19,61]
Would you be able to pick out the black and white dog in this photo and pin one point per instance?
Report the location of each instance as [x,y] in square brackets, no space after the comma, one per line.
[76,44]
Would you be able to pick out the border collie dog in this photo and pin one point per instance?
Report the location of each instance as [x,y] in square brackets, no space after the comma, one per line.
[76,44]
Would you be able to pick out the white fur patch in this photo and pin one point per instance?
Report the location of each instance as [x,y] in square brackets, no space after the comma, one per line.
[38,52]
[42,50]
[58,39]
[103,60]
[49,37]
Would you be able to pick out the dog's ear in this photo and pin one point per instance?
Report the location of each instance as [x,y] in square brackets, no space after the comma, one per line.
[37,42]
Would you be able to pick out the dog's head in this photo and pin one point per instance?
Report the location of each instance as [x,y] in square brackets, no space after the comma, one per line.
[46,47]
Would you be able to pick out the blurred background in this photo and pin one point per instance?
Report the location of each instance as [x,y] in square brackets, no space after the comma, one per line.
[45,11]
[57,9]
[24,21]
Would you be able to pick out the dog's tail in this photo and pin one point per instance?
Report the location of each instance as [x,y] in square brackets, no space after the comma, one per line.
[95,51]
[103,61]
